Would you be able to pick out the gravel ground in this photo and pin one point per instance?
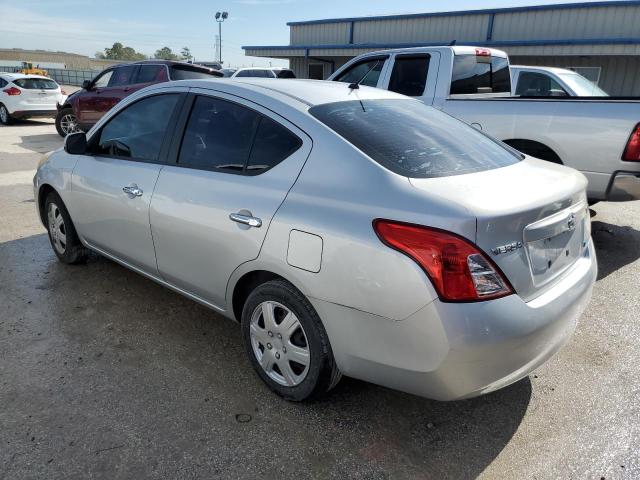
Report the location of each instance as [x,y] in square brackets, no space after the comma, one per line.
[104,374]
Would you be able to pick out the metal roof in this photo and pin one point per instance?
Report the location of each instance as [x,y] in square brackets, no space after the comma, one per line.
[532,8]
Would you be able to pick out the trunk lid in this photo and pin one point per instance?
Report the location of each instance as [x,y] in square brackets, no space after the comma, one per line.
[532,218]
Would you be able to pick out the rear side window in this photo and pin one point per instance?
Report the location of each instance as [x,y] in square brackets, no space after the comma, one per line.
[409,75]
[366,72]
[413,140]
[223,135]
[3,82]
[480,74]
[137,132]
[152,73]
[285,74]
[273,143]
[36,83]
[122,76]
[534,84]
[179,72]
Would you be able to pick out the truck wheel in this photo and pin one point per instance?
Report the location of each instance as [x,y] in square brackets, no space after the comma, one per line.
[5,117]
[66,122]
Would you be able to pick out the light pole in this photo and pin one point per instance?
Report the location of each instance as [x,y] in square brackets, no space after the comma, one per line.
[220,17]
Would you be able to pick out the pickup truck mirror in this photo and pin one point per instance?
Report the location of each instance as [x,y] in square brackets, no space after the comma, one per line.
[76,143]
[86,84]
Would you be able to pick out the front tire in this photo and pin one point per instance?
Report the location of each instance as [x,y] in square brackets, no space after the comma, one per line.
[286,342]
[66,122]
[62,234]
[5,116]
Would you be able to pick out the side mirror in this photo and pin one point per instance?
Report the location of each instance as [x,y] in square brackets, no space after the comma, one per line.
[86,84]
[76,143]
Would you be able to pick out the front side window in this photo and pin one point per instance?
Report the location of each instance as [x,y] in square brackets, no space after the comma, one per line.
[480,74]
[409,75]
[122,76]
[412,139]
[223,135]
[103,80]
[534,84]
[137,132]
[366,72]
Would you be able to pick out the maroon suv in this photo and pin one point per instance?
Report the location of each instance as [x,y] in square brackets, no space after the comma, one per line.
[85,107]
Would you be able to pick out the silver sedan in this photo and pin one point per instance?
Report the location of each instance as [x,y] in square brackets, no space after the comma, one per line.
[349,230]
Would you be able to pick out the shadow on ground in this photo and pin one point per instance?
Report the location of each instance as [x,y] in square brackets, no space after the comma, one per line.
[41,143]
[104,371]
[616,246]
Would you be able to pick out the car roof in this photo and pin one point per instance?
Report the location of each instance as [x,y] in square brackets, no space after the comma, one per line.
[540,68]
[456,49]
[16,76]
[299,93]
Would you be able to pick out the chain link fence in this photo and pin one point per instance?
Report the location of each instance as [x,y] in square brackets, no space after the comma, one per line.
[61,75]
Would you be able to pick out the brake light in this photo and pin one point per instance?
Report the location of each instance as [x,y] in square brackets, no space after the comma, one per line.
[12,91]
[632,150]
[459,271]
[483,52]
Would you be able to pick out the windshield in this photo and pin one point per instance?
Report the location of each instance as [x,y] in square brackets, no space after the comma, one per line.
[581,86]
[413,140]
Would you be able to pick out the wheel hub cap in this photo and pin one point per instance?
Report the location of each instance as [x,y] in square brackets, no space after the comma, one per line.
[57,230]
[279,343]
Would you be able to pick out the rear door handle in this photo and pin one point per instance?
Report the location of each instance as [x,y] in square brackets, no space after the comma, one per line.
[133,190]
[246,219]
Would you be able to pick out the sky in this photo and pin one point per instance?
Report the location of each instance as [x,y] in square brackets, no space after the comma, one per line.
[88,26]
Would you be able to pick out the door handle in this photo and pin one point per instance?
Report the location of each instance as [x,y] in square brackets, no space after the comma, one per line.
[246,219]
[133,190]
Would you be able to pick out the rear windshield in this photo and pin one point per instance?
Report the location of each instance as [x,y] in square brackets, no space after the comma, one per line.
[186,73]
[413,140]
[36,83]
[480,74]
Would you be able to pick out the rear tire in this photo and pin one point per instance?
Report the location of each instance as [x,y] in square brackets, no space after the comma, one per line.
[62,234]
[66,122]
[5,116]
[287,343]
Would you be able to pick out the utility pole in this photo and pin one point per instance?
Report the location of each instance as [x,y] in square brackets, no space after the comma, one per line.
[220,17]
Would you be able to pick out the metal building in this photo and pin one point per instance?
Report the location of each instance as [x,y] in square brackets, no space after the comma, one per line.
[600,40]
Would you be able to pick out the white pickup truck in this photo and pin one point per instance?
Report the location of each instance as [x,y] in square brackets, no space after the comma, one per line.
[598,136]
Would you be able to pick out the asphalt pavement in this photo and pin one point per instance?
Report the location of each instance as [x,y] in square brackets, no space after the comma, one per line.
[105,374]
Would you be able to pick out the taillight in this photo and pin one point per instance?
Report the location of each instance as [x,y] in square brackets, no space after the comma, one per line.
[483,52]
[12,91]
[632,150]
[459,271]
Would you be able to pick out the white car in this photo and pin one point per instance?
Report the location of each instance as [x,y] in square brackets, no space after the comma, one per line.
[23,96]
[552,82]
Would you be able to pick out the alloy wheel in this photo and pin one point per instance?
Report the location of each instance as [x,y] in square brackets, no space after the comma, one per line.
[279,343]
[69,124]
[57,229]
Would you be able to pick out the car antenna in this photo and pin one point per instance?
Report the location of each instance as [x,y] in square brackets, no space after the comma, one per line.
[453,43]
[356,85]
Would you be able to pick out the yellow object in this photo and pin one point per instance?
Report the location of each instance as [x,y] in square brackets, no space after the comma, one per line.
[27,69]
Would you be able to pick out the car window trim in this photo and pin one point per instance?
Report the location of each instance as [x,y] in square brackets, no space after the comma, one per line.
[164,149]
[181,130]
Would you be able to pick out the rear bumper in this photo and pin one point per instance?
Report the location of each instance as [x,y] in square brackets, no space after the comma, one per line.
[620,186]
[449,351]
[624,186]
[34,113]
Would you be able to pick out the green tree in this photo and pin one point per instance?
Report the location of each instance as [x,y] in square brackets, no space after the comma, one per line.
[186,53]
[165,53]
[119,52]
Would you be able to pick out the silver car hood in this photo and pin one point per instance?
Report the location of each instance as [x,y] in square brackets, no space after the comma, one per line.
[532,218]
